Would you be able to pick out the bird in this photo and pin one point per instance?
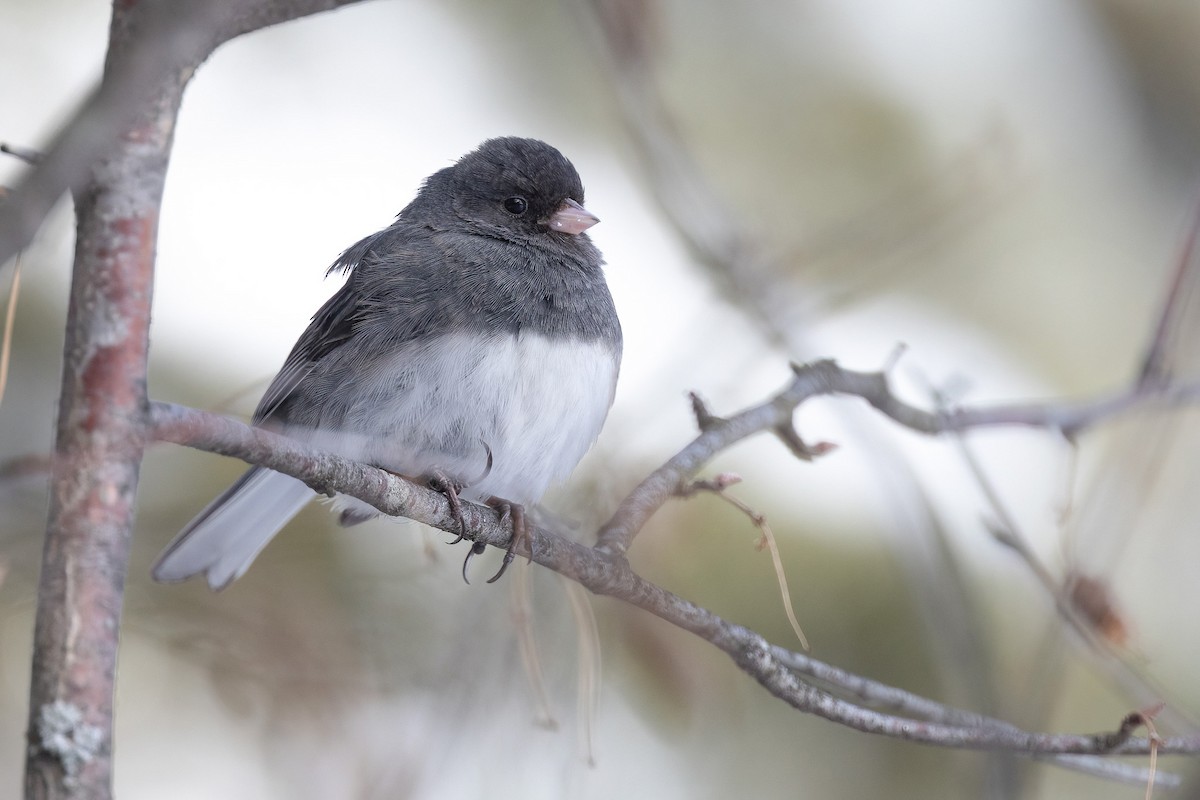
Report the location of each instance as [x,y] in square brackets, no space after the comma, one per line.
[473,347]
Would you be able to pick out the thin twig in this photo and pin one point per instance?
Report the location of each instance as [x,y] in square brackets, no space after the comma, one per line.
[1155,367]
[521,605]
[10,316]
[26,154]
[588,648]
[717,486]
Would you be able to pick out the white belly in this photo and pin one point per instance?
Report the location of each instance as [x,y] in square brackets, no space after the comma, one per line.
[537,405]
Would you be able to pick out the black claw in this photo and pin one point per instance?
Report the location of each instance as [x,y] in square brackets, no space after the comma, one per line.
[476,549]
[509,555]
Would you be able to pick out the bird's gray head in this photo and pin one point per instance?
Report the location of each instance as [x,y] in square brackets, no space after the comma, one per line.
[512,188]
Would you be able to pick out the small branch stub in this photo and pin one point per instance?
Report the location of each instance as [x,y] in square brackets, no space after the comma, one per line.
[801,449]
[705,419]
[26,154]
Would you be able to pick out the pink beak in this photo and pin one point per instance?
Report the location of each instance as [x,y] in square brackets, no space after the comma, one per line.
[572,218]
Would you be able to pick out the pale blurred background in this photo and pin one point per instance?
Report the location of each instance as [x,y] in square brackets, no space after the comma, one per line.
[1002,186]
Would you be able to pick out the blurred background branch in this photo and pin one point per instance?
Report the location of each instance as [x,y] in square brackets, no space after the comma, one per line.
[166,43]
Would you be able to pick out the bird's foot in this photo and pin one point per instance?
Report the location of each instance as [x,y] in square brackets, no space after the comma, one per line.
[441,482]
[514,514]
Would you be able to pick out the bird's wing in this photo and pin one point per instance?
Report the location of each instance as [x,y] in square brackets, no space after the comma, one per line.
[331,327]
[390,257]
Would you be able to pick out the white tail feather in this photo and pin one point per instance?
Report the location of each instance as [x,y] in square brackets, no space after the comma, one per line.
[224,538]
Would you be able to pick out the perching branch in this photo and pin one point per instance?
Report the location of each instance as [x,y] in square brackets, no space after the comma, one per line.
[792,677]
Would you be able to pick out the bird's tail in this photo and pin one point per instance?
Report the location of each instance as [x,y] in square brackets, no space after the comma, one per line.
[232,530]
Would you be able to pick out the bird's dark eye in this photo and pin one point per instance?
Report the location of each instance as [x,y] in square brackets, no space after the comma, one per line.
[516,206]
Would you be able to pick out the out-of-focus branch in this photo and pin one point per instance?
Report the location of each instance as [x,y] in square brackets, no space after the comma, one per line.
[1178,318]
[785,674]
[166,42]
[623,33]
[113,156]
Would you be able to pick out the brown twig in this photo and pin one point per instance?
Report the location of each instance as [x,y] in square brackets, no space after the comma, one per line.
[717,486]
[10,315]
[520,599]
[24,466]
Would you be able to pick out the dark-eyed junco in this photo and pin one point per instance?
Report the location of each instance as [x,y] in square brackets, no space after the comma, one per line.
[474,345]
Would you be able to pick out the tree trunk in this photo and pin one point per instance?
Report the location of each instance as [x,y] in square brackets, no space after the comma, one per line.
[98,453]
